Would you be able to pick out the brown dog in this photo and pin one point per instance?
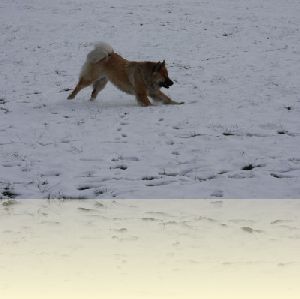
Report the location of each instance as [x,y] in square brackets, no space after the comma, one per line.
[141,79]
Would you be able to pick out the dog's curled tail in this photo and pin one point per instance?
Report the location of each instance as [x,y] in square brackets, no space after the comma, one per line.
[100,51]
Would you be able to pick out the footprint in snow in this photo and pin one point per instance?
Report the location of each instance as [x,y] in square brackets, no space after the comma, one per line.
[217,193]
[250,230]
[279,221]
[11,164]
[175,153]
[125,158]
[84,187]
[150,178]
[123,115]
[252,166]
[150,219]
[51,173]
[99,192]
[281,176]
[122,167]
[164,183]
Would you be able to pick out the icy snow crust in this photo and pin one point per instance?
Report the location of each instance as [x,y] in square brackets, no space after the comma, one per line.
[235,64]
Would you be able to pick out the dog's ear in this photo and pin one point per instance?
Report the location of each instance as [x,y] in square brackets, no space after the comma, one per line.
[163,64]
[157,67]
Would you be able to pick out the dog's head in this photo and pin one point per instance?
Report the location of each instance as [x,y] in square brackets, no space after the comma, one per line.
[160,74]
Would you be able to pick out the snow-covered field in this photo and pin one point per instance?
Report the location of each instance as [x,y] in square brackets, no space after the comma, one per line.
[150,249]
[235,64]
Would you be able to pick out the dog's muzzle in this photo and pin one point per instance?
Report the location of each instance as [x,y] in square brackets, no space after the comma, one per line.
[167,83]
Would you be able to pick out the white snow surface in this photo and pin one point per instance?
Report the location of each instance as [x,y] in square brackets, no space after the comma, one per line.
[235,65]
[152,249]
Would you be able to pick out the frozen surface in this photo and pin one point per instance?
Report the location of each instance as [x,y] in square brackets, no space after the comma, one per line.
[235,64]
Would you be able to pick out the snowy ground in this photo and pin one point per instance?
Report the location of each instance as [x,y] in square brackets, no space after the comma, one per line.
[235,63]
[150,249]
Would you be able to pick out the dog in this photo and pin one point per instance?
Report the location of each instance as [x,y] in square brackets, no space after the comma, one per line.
[142,79]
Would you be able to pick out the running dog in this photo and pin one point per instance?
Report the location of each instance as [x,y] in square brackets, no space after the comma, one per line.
[142,79]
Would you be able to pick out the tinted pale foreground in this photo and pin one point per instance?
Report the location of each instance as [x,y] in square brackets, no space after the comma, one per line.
[185,249]
[235,64]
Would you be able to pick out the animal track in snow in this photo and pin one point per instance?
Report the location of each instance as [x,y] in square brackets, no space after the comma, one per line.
[168,173]
[252,166]
[2,101]
[125,158]
[217,193]
[163,183]
[175,153]
[122,167]
[8,192]
[203,179]
[85,187]
[99,192]
[150,178]
[250,230]
[11,164]
[279,221]
[51,173]
[280,176]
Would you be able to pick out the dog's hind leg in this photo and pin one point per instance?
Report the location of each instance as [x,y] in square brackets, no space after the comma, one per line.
[81,84]
[97,87]
[159,96]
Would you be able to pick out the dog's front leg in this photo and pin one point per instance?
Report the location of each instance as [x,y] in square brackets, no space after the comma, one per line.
[159,96]
[142,99]
[141,91]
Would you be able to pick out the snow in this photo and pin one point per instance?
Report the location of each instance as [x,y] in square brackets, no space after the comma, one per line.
[154,249]
[235,65]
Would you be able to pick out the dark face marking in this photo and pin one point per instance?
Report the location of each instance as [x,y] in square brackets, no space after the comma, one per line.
[167,83]
[161,74]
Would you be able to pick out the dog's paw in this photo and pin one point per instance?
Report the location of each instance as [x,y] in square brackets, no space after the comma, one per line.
[145,104]
[70,97]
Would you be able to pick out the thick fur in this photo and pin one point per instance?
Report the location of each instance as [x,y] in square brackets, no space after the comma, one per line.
[141,79]
[101,51]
